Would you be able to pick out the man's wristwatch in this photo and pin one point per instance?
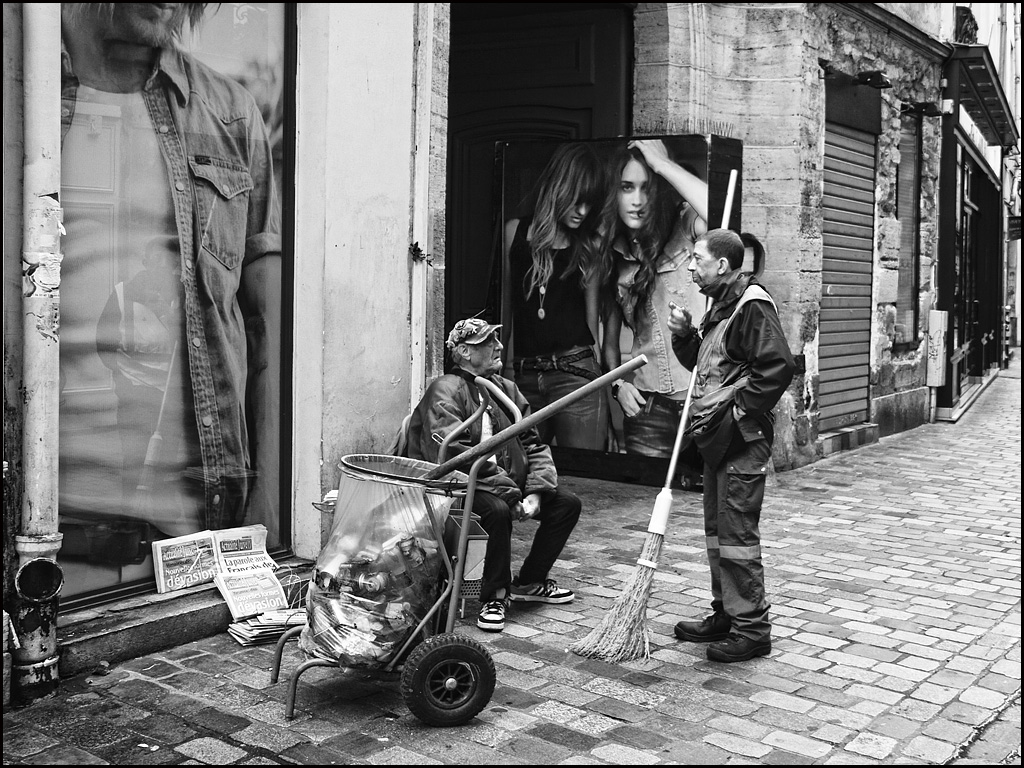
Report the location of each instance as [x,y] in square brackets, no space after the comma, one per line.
[615,388]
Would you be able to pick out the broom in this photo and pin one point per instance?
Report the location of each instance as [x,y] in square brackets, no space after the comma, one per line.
[622,634]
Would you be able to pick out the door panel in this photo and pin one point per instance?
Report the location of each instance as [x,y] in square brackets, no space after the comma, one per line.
[521,71]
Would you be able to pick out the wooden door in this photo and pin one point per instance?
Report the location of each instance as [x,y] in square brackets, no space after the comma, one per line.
[521,71]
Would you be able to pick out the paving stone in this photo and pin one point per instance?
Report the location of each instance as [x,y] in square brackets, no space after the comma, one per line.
[64,754]
[783,701]
[165,728]
[20,741]
[132,751]
[929,749]
[147,666]
[567,737]
[737,745]
[594,724]
[401,756]
[982,697]
[738,726]
[267,737]
[212,751]
[948,731]
[872,745]
[695,753]
[800,745]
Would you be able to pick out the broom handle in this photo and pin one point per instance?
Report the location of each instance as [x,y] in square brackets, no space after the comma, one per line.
[729,197]
[683,420]
[528,422]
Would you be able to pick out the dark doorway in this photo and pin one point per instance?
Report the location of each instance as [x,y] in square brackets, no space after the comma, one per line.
[521,71]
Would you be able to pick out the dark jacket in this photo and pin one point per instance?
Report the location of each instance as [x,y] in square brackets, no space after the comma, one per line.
[755,341]
[523,464]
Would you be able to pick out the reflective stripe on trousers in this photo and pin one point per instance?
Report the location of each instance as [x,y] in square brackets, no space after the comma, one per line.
[733,495]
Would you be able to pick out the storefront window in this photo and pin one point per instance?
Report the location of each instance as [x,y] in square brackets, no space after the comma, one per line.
[170,359]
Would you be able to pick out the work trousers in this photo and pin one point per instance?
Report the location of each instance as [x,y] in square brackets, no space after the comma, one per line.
[559,512]
[733,495]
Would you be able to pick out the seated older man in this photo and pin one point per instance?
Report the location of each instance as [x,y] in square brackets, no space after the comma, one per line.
[518,483]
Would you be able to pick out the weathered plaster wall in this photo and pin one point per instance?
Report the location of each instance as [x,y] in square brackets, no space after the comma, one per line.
[928,17]
[365,338]
[354,146]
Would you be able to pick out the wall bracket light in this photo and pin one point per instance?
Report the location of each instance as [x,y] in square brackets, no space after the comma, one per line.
[873,77]
[923,108]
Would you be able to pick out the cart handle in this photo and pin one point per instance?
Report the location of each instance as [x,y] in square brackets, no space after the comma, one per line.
[528,422]
[488,388]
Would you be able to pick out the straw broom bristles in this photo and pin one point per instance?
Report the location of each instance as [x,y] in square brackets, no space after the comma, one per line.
[622,635]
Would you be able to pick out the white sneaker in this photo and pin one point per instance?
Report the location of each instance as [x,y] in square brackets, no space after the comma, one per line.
[492,615]
[546,591]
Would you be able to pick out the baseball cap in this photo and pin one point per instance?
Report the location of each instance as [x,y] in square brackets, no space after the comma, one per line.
[472,330]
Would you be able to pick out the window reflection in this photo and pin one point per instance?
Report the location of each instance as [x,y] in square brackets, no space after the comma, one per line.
[170,294]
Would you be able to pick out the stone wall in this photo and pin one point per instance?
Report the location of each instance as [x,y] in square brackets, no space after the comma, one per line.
[753,71]
[742,70]
[897,375]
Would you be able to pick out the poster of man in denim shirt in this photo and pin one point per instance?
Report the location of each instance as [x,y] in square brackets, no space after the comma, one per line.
[170,291]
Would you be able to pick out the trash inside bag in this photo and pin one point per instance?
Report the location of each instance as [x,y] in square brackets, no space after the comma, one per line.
[379,573]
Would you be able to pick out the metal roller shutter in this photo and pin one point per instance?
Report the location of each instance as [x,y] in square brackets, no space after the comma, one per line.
[848,227]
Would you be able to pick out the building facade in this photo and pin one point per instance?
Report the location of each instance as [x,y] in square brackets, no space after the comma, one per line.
[880,168]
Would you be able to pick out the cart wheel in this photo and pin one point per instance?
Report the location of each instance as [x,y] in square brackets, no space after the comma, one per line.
[447,680]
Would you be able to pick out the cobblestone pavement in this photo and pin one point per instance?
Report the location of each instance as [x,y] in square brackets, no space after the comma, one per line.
[894,576]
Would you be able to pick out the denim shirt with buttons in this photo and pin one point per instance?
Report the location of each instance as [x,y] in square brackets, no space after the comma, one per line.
[663,373]
[218,157]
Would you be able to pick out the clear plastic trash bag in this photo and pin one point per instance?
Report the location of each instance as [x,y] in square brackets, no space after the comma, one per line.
[379,573]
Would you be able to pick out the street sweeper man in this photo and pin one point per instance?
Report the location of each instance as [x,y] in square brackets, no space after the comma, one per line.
[517,483]
[742,365]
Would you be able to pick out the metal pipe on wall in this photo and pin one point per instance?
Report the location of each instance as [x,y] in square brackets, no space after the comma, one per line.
[39,539]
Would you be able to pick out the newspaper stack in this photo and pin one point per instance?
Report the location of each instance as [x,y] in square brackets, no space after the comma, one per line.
[267,627]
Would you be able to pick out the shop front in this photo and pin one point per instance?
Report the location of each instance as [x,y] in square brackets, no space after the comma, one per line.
[978,133]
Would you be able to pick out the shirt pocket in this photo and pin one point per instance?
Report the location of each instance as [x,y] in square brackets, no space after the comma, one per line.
[222,194]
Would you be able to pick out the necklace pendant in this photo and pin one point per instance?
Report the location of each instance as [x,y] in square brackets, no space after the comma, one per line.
[541,313]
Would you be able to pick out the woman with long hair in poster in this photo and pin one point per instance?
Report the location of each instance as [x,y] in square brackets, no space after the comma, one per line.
[553,257]
[649,236]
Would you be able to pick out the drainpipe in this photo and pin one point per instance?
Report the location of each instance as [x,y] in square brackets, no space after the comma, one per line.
[39,578]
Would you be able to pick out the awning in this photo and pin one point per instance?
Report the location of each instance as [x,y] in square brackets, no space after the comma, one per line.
[982,95]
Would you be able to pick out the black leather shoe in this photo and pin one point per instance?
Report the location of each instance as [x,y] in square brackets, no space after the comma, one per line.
[738,648]
[714,627]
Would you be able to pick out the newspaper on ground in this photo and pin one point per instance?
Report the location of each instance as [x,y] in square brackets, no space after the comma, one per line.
[251,593]
[243,549]
[195,558]
[267,627]
[184,561]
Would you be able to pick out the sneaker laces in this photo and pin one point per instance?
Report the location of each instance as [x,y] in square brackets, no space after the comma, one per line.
[548,587]
[496,604]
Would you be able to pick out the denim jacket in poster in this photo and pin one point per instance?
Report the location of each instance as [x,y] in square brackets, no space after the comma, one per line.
[219,163]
